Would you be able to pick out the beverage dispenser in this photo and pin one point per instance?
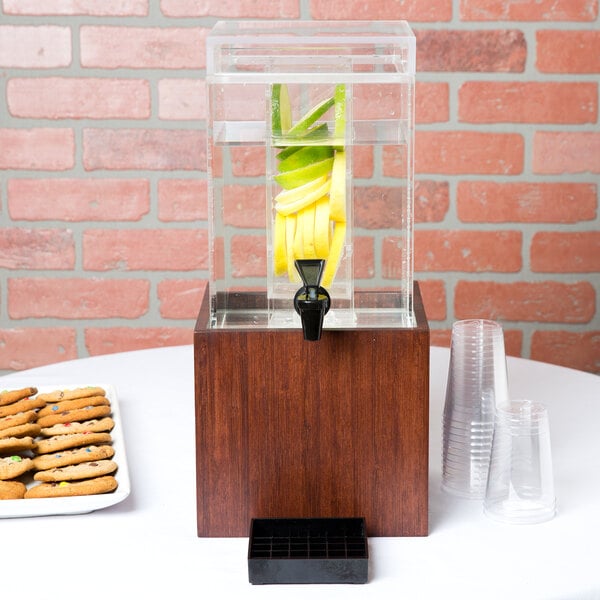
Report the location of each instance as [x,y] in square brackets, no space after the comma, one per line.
[311,346]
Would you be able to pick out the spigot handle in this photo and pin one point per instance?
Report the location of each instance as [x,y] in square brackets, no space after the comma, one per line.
[312,301]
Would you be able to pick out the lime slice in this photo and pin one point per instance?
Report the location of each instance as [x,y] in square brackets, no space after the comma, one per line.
[337,193]
[310,117]
[281,110]
[288,151]
[340,115]
[307,155]
[298,177]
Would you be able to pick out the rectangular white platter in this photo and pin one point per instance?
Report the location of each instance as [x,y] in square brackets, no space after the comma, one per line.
[36,507]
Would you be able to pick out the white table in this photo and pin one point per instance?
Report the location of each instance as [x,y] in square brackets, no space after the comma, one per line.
[146,547]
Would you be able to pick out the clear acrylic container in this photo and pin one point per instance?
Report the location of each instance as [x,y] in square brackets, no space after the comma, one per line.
[300,117]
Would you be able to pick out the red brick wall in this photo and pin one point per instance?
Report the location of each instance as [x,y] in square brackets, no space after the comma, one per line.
[103,243]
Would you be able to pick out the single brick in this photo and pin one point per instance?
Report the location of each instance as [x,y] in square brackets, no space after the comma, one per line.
[244,206]
[432,102]
[568,51]
[248,161]
[249,256]
[492,202]
[180,298]
[542,301]
[565,252]
[181,99]
[22,248]
[107,340]
[433,292]
[37,149]
[556,152]
[576,350]
[411,10]
[145,249]
[116,47]
[283,9]
[465,250]
[494,50]
[362,162]
[182,199]
[464,152]
[78,98]
[29,347]
[77,298]
[78,199]
[528,10]
[364,257]
[431,201]
[379,207]
[35,47]
[152,149]
[106,8]
[528,102]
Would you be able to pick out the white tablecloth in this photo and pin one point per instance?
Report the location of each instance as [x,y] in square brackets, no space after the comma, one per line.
[146,547]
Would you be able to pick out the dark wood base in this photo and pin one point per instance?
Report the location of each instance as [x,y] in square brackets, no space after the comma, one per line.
[335,428]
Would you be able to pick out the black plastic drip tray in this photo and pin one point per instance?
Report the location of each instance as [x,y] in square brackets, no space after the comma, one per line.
[308,551]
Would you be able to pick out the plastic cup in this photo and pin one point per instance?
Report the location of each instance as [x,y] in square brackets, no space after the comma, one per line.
[520,487]
[477,383]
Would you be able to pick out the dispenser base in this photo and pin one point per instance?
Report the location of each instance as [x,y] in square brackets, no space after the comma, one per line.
[289,428]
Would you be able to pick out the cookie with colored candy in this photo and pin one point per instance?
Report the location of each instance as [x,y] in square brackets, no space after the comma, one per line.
[86,487]
[58,407]
[18,419]
[78,414]
[21,406]
[12,490]
[32,429]
[71,440]
[84,470]
[11,396]
[14,466]
[95,425]
[82,392]
[11,445]
[72,457]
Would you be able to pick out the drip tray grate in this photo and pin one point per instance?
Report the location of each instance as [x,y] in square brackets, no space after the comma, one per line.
[308,551]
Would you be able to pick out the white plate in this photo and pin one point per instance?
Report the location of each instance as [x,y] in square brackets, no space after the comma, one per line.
[73,505]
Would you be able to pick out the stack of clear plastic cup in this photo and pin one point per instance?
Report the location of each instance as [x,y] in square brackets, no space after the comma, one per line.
[520,486]
[477,384]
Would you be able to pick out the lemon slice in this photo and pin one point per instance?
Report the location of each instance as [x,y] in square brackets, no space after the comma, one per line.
[298,250]
[288,196]
[322,227]
[279,246]
[337,193]
[290,233]
[335,254]
[311,116]
[308,235]
[303,201]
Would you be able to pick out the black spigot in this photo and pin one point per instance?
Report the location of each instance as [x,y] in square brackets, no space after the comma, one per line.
[311,301]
